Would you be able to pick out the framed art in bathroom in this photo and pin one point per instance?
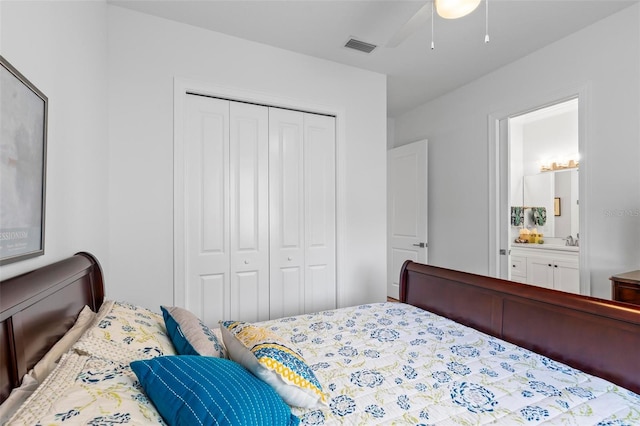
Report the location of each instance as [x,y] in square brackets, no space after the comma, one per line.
[23,154]
[556,206]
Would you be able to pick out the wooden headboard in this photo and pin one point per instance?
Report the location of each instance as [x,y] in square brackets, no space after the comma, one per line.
[597,336]
[38,307]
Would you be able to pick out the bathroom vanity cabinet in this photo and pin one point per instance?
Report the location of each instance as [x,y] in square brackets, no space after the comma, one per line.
[546,267]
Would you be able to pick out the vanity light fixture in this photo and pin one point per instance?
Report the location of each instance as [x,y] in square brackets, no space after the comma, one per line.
[549,166]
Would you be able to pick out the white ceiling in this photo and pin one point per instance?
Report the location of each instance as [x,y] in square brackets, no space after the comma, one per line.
[416,74]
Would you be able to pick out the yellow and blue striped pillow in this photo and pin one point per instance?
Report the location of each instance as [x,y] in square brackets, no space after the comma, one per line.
[279,364]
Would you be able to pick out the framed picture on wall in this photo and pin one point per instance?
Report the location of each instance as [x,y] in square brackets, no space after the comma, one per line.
[556,206]
[23,154]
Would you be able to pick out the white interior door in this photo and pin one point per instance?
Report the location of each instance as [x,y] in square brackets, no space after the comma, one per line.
[259,215]
[206,194]
[407,210]
[286,199]
[226,167]
[249,211]
[320,212]
[302,212]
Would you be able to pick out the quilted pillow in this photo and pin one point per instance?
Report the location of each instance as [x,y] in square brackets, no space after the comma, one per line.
[189,390]
[280,365]
[124,332]
[189,335]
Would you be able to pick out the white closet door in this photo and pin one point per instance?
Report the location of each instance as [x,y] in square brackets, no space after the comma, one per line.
[249,212]
[206,193]
[286,200]
[302,212]
[259,217]
[320,216]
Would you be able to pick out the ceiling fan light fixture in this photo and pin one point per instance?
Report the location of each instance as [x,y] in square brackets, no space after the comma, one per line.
[454,9]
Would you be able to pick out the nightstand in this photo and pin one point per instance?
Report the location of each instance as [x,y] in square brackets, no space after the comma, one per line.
[626,287]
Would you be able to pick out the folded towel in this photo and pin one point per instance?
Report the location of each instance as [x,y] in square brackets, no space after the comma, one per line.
[539,215]
[517,216]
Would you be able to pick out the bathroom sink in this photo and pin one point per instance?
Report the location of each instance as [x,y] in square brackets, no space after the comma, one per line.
[548,247]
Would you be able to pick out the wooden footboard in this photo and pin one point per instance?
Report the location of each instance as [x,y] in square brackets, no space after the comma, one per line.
[597,336]
[38,307]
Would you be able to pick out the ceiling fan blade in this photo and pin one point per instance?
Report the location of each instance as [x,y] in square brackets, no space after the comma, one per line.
[420,18]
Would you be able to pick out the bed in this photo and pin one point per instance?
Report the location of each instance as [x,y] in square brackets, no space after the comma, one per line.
[459,349]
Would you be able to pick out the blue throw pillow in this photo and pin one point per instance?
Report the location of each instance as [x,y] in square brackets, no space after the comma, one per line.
[190,389]
[189,335]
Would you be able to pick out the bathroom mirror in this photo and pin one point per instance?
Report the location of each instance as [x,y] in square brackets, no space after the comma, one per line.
[541,190]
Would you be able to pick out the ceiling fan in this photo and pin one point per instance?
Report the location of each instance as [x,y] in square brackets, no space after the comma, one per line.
[447,9]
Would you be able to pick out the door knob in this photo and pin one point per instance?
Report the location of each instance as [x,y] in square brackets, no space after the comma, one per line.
[420,245]
[289,258]
[246,262]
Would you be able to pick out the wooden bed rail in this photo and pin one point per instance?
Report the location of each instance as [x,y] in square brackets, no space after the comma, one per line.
[597,336]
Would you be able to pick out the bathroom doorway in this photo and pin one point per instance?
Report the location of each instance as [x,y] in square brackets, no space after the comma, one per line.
[544,163]
[525,145]
[543,193]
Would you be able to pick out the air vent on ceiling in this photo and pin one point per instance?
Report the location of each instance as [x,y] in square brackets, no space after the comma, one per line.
[360,45]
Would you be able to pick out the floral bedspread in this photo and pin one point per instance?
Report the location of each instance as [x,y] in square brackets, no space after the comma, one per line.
[386,363]
[85,390]
[392,363]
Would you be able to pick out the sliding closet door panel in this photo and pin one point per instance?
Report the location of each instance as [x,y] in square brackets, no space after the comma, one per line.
[206,207]
[320,216]
[320,219]
[286,201]
[249,211]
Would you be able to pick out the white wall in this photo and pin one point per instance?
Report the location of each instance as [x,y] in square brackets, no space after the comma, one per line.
[391,133]
[61,48]
[550,139]
[145,54]
[604,60]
